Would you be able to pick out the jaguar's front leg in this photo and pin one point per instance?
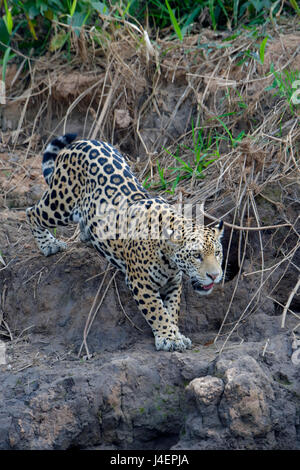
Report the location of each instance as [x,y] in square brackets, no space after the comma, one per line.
[171,295]
[165,329]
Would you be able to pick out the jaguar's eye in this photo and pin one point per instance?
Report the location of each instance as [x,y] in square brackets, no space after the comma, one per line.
[198,256]
[217,253]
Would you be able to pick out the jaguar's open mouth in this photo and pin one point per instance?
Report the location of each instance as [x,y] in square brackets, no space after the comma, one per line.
[201,287]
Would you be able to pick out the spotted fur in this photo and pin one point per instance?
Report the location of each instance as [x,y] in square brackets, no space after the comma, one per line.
[90,183]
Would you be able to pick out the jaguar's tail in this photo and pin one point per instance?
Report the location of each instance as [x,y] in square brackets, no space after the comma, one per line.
[51,152]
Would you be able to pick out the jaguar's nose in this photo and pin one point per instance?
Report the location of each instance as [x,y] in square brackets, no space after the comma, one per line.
[212,276]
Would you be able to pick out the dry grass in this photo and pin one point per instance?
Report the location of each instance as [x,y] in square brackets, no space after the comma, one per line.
[143,98]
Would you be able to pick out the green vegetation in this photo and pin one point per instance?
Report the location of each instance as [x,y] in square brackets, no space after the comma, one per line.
[284,86]
[259,54]
[221,14]
[35,26]
[262,50]
[191,161]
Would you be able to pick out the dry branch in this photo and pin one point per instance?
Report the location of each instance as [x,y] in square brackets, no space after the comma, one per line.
[287,305]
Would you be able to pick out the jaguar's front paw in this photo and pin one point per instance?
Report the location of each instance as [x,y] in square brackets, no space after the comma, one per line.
[179,343]
[186,341]
[54,247]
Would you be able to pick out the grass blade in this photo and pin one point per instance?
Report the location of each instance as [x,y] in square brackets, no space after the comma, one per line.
[212,13]
[226,129]
[295,6]
[190,19]
[174,21]
[185,165]
[8,18]
[73,7]
[5,59]
[235,11]
[262,50]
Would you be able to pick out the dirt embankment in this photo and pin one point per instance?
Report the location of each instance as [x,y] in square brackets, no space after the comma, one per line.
[238,388]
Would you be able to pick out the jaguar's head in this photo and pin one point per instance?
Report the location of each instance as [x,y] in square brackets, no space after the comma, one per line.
[199,255]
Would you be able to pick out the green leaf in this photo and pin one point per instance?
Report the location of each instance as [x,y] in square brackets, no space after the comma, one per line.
[295,6]
[8,18]
[190,19]
[73,7]
[221,5]
[235,11]
[212,13]
[5,59]
[32,12]
[58,41]
[49,15]
[258,4]
[226,129]
[262,50]
[100,7]
[174,21]
[4,36]
[31,27]
[145,183]
[185,165]
[77,21]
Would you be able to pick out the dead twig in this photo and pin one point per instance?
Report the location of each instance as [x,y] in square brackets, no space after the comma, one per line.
[254,229]
[288,303]
[122,308]
[92,315]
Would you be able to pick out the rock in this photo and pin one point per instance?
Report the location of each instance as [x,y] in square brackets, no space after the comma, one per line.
[205,390]
[239,410]
[244,408]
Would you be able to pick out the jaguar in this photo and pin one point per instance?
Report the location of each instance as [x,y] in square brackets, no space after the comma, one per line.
[91,183]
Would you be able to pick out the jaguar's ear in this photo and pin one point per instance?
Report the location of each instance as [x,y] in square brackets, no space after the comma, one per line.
[220,228]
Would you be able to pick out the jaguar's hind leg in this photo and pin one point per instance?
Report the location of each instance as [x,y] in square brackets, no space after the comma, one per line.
[76,217]
[41,217]
[85,235]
